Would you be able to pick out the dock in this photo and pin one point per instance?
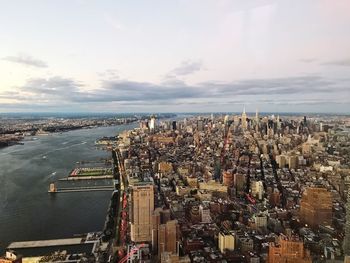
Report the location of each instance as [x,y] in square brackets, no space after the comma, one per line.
[74,178]
[47,243]
[54,190]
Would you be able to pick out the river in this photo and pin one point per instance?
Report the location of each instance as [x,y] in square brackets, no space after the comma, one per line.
[27,211]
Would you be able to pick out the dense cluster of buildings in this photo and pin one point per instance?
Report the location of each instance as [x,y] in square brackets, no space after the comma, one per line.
[238,189]
[14,129]
[233,188]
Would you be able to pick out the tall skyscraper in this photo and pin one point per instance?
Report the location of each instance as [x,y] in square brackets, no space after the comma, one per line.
[278,123]
[244,119]
[164,232]
[226,241]
[142,206]
[167,237]
[226,118]
[200,125]
[152,124]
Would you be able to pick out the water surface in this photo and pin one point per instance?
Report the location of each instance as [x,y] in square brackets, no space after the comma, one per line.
[27,211]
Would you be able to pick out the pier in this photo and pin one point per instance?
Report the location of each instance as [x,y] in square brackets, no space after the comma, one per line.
[47,243]
[74,178]
[53,189]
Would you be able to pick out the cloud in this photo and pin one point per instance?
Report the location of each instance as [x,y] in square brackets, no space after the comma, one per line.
[45,90]
[298,90]
[187,67]
[54,85]
[274,86]
[26,60]
[342,62]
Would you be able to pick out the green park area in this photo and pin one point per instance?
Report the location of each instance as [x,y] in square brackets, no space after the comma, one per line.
[81,172]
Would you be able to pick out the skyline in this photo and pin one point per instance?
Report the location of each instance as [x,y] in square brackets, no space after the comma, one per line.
[181,56]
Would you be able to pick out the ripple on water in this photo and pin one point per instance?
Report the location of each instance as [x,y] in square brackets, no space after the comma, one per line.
[27,211]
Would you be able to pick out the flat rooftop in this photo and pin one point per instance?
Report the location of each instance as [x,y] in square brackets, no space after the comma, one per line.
[46,243]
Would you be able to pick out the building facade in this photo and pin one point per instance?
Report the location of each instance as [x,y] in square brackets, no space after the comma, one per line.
[142,206]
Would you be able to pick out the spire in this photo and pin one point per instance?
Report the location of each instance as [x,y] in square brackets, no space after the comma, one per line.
[244,109]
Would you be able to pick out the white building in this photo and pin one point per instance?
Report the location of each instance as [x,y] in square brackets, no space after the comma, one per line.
[152,123]
[257,188]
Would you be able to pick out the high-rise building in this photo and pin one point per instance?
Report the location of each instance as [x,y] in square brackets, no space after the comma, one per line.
[142,206]
[167,237]
[185,122]
[152,124]
[226,241]
[239,182]
[278,122]
[164,232]
[257,189]
[244,120]
[281,160]
[288,249]
[200,125]
[227,178]
[260,221]
[316,207]
[293,162]
[156,221]
[226,118]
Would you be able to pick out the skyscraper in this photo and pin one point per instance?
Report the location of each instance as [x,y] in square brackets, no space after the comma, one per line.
[167,237]
[142,206]
[164,232]
[278,123]
[244,119]
[226,118]
[200,125]
[174,125]
[152,124]
[226,241]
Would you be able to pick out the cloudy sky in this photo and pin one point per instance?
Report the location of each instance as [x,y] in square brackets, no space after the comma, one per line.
[175,55]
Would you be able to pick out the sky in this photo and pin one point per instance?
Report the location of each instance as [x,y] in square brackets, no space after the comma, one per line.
[175,56]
